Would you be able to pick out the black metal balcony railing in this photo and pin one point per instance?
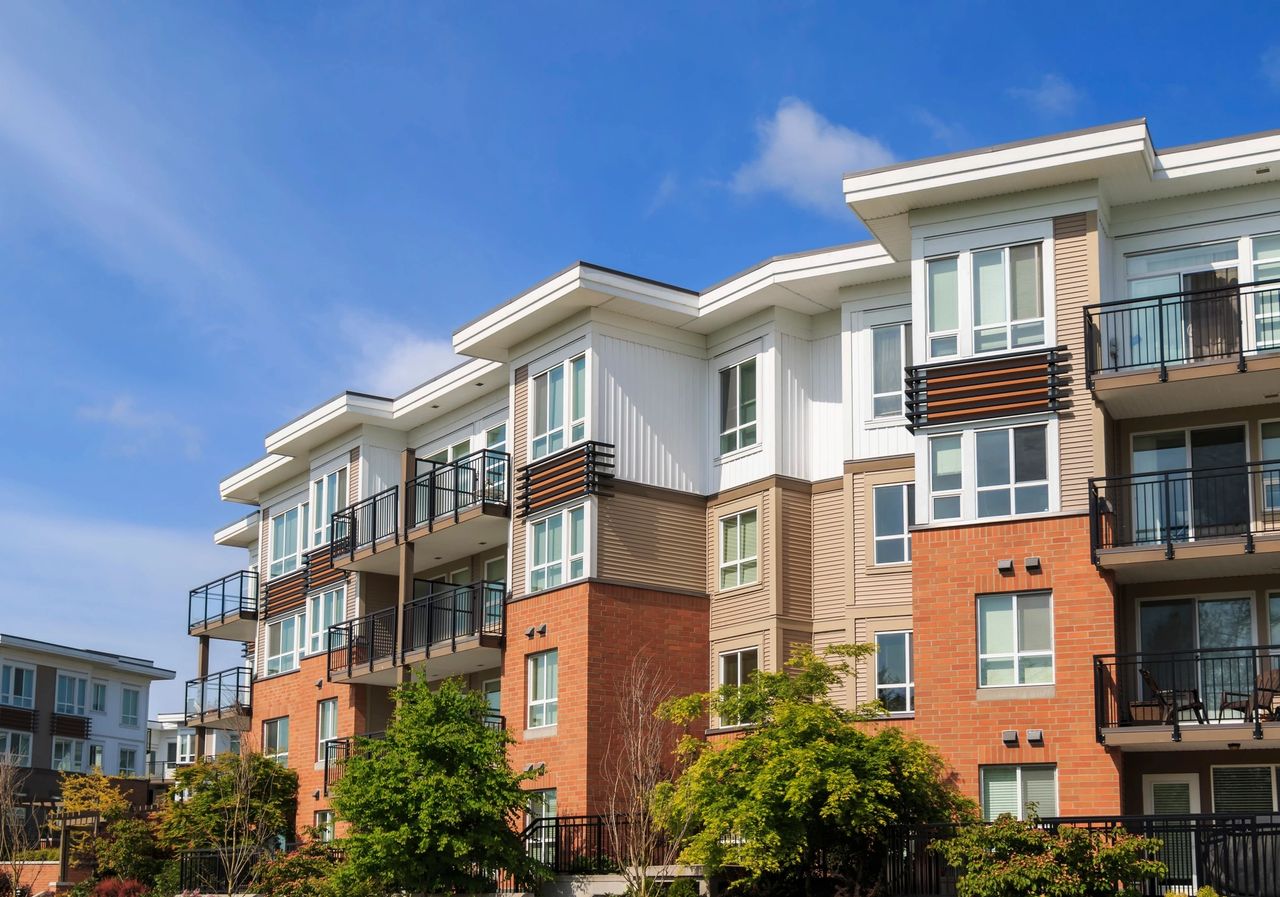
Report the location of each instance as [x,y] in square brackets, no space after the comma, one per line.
[1197,687]
[358,645]
[457,612]
[495,721]
[445,489]
[1216,324]
[219,693]
[336,753]
[235,594]
[366,523]
[1171,507]
[1235,855]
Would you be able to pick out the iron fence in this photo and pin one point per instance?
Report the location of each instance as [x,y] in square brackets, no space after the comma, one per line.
[366,523]
[358,645]
[452,613]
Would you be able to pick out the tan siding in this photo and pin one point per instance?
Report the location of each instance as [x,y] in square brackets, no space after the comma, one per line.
[738,607]
[519,440]
[645,540]
[353,477]
[872,586]
[829,561]
[795,563]
[823,640]
[793,639]
[1075,266]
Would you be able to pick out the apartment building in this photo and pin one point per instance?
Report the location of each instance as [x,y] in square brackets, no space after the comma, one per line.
[1025,440]
[72,710]
[171,745]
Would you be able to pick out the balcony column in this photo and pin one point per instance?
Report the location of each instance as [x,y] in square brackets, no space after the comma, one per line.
[404,566]
[202,670]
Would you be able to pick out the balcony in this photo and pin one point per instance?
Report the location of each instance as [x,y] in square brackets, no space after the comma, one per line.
[363,532]
[363,650]
[336,752]
[455,630]
[1189,523]
[1222,345]
[225,608]
[1211,698]
[459,507]
[220,700]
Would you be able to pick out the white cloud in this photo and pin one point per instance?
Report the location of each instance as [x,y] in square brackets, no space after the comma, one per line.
[134,431]
[1053,96]
[802,156]
[667,189]
[1271,66]
[944,132]
[389,359]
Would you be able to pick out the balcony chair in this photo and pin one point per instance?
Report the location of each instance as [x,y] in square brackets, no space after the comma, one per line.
[1167,703]
[1262,700]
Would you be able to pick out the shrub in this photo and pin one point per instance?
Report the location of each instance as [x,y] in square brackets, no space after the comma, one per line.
[120,887]
[306,872]
[169,878]
[129,850]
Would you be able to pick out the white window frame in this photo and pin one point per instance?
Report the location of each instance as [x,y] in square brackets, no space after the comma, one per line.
[328,496]
[287,559]
[78,755]
[743,559]
[896,418]
[1022,791]
[79,696]
[496,444]
[97,750]
[127,769]
[8,695]
[737,653]
[318,619]
[908,499]
[570,566]
[1013,485]
[186,746]
[324,824]
[1009,322]
[289,656]
[740,429]
[572,429]
[95,687]
[329,705]
[125,718]
[274,725]
[909,686]
[536,667]
[8,739]
[1018,654]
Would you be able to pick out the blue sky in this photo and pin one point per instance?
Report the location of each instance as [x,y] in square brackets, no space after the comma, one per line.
[213,216]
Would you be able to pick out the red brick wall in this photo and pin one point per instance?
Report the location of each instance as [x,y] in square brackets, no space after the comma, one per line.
[950,567]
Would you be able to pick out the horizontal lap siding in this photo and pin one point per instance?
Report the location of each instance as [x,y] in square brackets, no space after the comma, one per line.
[830,564]
[873,588]
[645,540]
[1075,261]
[745,605]
[796,562]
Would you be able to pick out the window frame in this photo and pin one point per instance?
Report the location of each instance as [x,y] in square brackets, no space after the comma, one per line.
[905,349]
[742,559]
[738,654]
[125,719]
[1021,786]
[1009,322]
[79,697]
[571,428]
[1018,654]
[317,640]
[299,624]
[10,698]
[78,746]
[738,429]
[1013,485]
[568,559]
[909,685]
[130,769]
[94,687]
[908,499]
[322,741]
[281,562]
[8,737]
[325,824]
[329,494]
[549,704]
[274,726]
[967,493]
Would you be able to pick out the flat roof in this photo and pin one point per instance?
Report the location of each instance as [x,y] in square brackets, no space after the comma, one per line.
[122,662]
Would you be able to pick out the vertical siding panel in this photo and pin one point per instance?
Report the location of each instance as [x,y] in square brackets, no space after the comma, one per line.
[826,409]
[794,402]
[353,476]
[1075,261]
[517,446]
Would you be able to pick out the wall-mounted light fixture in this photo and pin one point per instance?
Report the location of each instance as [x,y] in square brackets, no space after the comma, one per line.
[1005,566]
[542,630]
[1035,736]
[1032,564]
[528,633]
[1009,737]
[319,683]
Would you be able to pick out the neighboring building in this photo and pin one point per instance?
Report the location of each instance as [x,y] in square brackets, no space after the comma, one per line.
[72,709]
[1059,526]
[171,745]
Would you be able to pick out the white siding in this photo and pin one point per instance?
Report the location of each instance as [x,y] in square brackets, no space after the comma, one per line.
[793,397]
[870,439]
[380,469]
[826,418]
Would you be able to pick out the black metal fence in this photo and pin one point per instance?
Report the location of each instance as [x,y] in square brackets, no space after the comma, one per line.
[336,753]
[366,523]
[358,645]
[454,612]
[1155,332]
[217,694]
[447,488]
[571,845]
[1171,507]
[235,594]
[1238,856]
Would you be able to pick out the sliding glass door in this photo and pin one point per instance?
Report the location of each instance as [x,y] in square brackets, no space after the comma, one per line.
[1190,484]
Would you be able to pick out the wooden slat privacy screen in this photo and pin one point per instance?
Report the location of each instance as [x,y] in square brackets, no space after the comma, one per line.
[17,719]
[285,593]
[974,389]
[67,726]
[585,469]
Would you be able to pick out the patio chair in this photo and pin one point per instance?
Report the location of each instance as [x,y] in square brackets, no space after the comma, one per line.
[1262,700]
[1171,702]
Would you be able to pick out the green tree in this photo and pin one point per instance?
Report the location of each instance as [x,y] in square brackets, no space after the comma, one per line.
[309,871]
[805,787]
[1009,858]
[130,849]
[431,807]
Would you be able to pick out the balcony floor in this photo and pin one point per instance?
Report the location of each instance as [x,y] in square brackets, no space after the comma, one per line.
[236,627]
[1195,736]
[1195,386]
[474,653]
[1202,559]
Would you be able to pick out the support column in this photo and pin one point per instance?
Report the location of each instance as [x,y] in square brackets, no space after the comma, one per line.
[202,670]
[404,565]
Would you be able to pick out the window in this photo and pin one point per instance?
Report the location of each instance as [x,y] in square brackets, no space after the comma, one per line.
[492,689]
[71,694]
[128,761]
[99,697]
[895,672]
[326,725]
[1008,304]
[1015,639]
[942,285]
[1271,472]
[288,532]
[543,688]
[541,840]
[186,746]
[16,746]
[1013,471]
[1019,791]
[495,569]
[283,638]
[324,609]
[129,707]
[738,407]
[945,477]
[738,550]
[1243,790]
[894,512]
[554,405]
[275,739]
[17,686]
[324,825]
[328,495]
[96,753]
[890,356]
[68,755]
[1266,301]
[555,541]
[495,438]
[736,668]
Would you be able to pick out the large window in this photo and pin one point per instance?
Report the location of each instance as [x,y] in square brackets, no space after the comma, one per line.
[128,761]
[739,547]
[1008,304]
[736,669]
[324,824]
[895,672]
[326,725]
[1244,790]
[71,693]
[275,739]
[559,407]
[1015,639]
[894,514]
[558,549]
[1019,791]
[890,356]
[738,389]
[946,476]
[130,698]
[328,495]
[288,535]
[283,640]
[544,688]
[68,755]
[1013,471]
[16,746]
[324,609]
[943,306]
[17,686]
[99,692]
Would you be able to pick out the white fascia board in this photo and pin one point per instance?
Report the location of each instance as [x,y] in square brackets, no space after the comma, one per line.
[119,662]
[409,407]
[244,485]
[320,424]
[1262,151]
[240,534]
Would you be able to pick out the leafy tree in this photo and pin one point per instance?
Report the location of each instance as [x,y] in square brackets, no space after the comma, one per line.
[1021,859]
[130,849]
[309,871]
[431,806]
[805,789]
[90,795]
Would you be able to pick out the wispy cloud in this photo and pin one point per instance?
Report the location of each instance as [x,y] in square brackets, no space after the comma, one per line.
[1270,65]
[666,191]
[389,360]
[133,431]
[949,134]
[801,156]
[1053,96]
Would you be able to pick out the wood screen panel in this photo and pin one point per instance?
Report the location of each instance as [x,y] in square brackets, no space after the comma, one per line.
[959,391]
[582,470]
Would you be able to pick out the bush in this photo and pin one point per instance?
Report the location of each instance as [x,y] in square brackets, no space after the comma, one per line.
[120,887]
[39,855]
[128,850]
[306,872]
[169,878]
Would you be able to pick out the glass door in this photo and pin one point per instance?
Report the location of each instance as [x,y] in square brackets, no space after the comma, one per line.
[1189,484]
[1190,641]
[1194,312]
[1175,794]
[1219,483]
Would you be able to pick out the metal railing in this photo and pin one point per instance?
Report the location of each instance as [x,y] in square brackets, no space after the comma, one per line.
[1154,332]
[366,523]
[336,753]
[1238,856]
[358,645]
[234,594]
[447,488]
[455,612]
[165,770]
[571,845]
[494,720]
[1200,687]
[226,692]
[1171,507]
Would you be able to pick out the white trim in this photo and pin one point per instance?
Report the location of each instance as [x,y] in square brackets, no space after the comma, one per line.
[1191,779]
[1018,653]
[550,704]
[566,558]
[910,685]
